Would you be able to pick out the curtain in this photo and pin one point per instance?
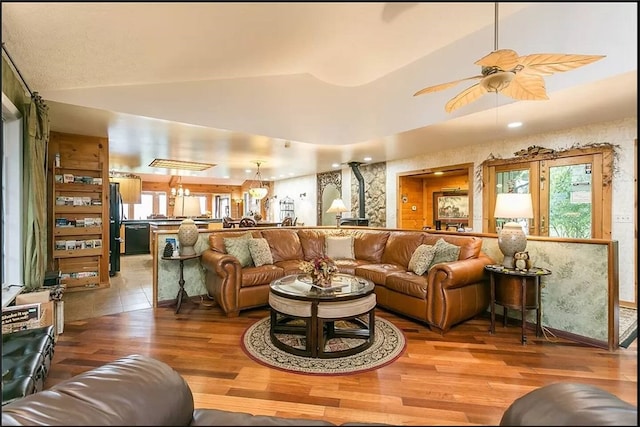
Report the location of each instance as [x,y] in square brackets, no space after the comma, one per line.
[35,180]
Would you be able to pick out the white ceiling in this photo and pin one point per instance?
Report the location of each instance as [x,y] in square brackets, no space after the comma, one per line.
[300,86]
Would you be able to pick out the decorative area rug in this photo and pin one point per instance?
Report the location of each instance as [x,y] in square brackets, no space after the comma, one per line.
[628,326]
[388,345]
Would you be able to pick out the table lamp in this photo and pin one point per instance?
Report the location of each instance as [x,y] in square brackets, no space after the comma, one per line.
[337,207]
[188,230]
[511,237]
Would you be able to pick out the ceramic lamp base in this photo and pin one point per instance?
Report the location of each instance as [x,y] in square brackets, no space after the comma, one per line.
[511,239]
[187,236]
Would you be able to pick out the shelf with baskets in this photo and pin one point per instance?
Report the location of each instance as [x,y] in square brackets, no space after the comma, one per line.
[78,215]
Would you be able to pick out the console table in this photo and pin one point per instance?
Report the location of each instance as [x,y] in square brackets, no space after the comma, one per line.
[518,290]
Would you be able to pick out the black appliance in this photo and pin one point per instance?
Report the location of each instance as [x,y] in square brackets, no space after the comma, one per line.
[361,222]
[136,238]
[116,215]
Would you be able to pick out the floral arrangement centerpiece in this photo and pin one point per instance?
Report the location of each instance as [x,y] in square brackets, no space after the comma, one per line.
[320,270]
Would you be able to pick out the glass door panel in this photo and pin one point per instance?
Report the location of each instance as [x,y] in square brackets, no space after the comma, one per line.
[512,181]
[569,198]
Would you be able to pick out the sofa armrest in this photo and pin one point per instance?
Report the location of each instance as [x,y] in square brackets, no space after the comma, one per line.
[570,404]
[223,279]
[218,262]
[451,275]
[133,390]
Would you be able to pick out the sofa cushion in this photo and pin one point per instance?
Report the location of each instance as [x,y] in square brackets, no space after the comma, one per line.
[400,246]
[339,247]
[377,273]
[470,246]
[369,245]
[291,266]
[216,240]
[260,252]
[421,259]
[239,248]
[445,252]
[285,244]
[312,242]
[258,276]
[407,283]
[348,266]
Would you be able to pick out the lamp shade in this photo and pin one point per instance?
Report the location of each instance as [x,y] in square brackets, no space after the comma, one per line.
[187,206]
[513,205]
[337,206]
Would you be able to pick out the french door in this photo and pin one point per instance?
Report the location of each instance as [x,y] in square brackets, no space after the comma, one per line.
[571,193]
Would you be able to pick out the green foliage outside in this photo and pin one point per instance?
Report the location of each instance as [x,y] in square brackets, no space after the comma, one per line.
[567,219]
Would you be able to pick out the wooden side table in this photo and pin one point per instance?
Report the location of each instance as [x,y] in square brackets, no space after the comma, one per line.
[181,292]
[518,290]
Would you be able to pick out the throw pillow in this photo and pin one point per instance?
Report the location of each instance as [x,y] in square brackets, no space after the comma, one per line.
[239,248]
[339,247]
[445,252]
[421,259]
[260,252]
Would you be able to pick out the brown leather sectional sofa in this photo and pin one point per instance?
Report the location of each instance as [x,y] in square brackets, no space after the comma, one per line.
[449,293]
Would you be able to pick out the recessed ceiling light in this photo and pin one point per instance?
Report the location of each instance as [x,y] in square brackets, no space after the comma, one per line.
[514,125]
[335,165]
[180,164]
[438,173]
[367,159]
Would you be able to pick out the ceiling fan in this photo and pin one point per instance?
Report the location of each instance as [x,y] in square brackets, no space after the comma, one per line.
[518,77]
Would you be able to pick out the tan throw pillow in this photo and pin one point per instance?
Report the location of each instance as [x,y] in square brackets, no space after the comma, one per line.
[239,248]
[339,247]
[260,252]
[445,252]
[421,259]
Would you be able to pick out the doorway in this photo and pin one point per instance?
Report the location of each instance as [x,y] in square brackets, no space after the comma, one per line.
[436,198]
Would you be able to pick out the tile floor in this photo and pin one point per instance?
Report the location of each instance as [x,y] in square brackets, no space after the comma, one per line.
[131,289]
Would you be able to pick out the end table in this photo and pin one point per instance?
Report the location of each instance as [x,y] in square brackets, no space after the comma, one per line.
[525,297]
[181,292]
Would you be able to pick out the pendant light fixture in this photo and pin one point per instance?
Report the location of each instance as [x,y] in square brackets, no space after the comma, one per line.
[179,191]
[257,190]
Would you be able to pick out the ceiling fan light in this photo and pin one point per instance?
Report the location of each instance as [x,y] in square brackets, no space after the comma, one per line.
[496,82]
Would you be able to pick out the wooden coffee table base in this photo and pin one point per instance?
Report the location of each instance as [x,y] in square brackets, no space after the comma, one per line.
[317,330]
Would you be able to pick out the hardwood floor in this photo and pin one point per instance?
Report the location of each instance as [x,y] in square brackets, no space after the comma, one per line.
[466,377]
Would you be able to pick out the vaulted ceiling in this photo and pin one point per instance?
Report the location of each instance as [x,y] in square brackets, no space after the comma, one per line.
[300,86]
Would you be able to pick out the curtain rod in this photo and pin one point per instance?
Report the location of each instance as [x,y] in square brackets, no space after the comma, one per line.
[17,70]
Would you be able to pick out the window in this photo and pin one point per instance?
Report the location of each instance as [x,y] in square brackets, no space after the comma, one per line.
[12,208]
[144,210]
[221,205]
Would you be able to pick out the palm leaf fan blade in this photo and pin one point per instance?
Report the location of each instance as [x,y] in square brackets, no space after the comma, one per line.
[444,86]
[549,63]
[526,87]
[465,97]
[505,59]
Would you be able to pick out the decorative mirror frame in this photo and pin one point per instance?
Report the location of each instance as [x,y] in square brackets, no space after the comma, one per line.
[322,180]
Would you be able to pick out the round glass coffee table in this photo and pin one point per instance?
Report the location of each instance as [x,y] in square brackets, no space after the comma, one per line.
[301,310]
